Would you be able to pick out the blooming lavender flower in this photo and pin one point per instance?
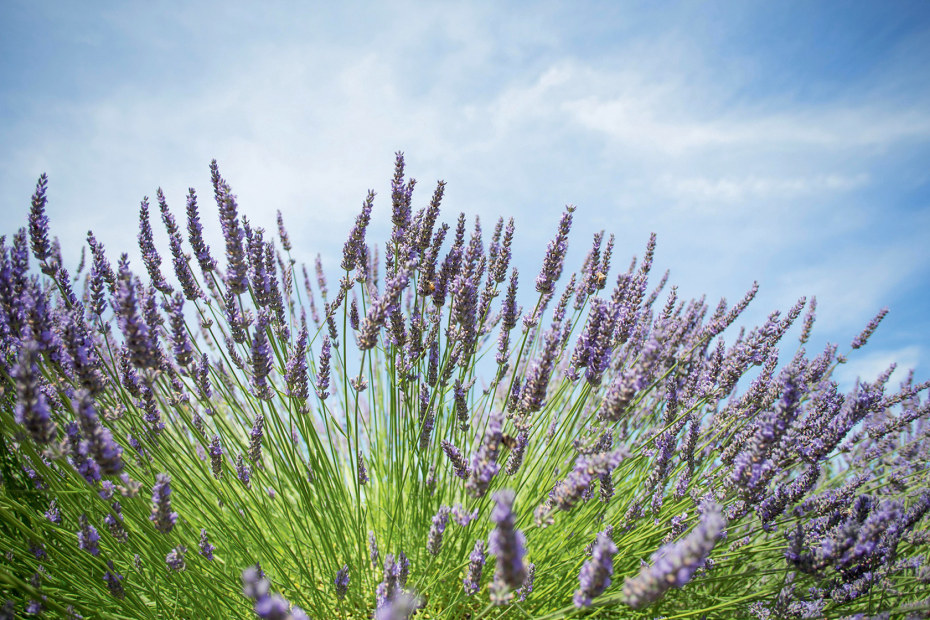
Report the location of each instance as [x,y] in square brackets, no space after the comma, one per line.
[38,221]
[459,464]
[862,338]
[674,564]
[508,544]
[262,361]
[401,607]
[555,254]
[32,410]
[476,560]
[322,377]
[88,537]
[373,549]
[403,569]
[342,582]
[195,235]
[596,572]
[462,516]
[516,455]
[243,472]
[206,549]
[380,307]
[567,492]
[353,252]
[175,559]
[136,331]
[255,441]
[484,464]
[527,587]
[437,529]
[237,279]
[162,516]
[150,256]
[100,444]
[216,457]
[114,581]
[362,470]
[53,514]
[114,523]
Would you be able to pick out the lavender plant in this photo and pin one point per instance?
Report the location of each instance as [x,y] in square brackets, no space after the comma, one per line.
[214,436]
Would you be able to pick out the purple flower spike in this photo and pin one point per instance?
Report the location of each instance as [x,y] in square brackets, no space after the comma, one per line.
[437,529]
[674,564]
[508,544]
[596,572]
[162,516]
[88,537]
[476,562]
[484,465]
[32,410]
[100,444]
[206,549]
[555,255]
[114,581]
[342,582]
[175,559]
[38,221]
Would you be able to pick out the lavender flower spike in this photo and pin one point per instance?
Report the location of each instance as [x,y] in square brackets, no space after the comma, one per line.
[32,410]
[596,572]
[484,465]
[206,549]
[476,560]
[162,516]
[342,582]
[459,464]
[437,529]
[508,544]
[555,254]
[674,564]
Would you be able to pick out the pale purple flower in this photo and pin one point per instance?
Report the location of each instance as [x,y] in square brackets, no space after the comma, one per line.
[476,560]
[596,572]
[342,582]
[508,544]
[162,516]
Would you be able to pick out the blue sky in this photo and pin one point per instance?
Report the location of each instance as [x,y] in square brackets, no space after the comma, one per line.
[781,142]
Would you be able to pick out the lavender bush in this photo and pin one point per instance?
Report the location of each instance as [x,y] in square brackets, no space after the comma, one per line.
[229,436]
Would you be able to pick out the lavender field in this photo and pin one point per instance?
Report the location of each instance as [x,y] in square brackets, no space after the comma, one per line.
[423,431]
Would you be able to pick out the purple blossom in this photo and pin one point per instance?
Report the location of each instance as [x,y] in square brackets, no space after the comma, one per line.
[237,279]
[508,544]
[322,377]
[243,472]
[100,444]
[362,470]
[262,361]
[162,516]
[462,516]
[38,221]
[596,572]
[195,235]
[342,582]
[516,455]
[555,254]
[437,529]
[373,549]
[484,464]
[459,464]
[216,457]
[674,564]
[567,492]
[354,250]
[206,549]
[527,587]
[88,537]
[175,559]
[476,560]
[255,439]
[53,514]
[114,581]
[862,338]
[150,256]
[32,410]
